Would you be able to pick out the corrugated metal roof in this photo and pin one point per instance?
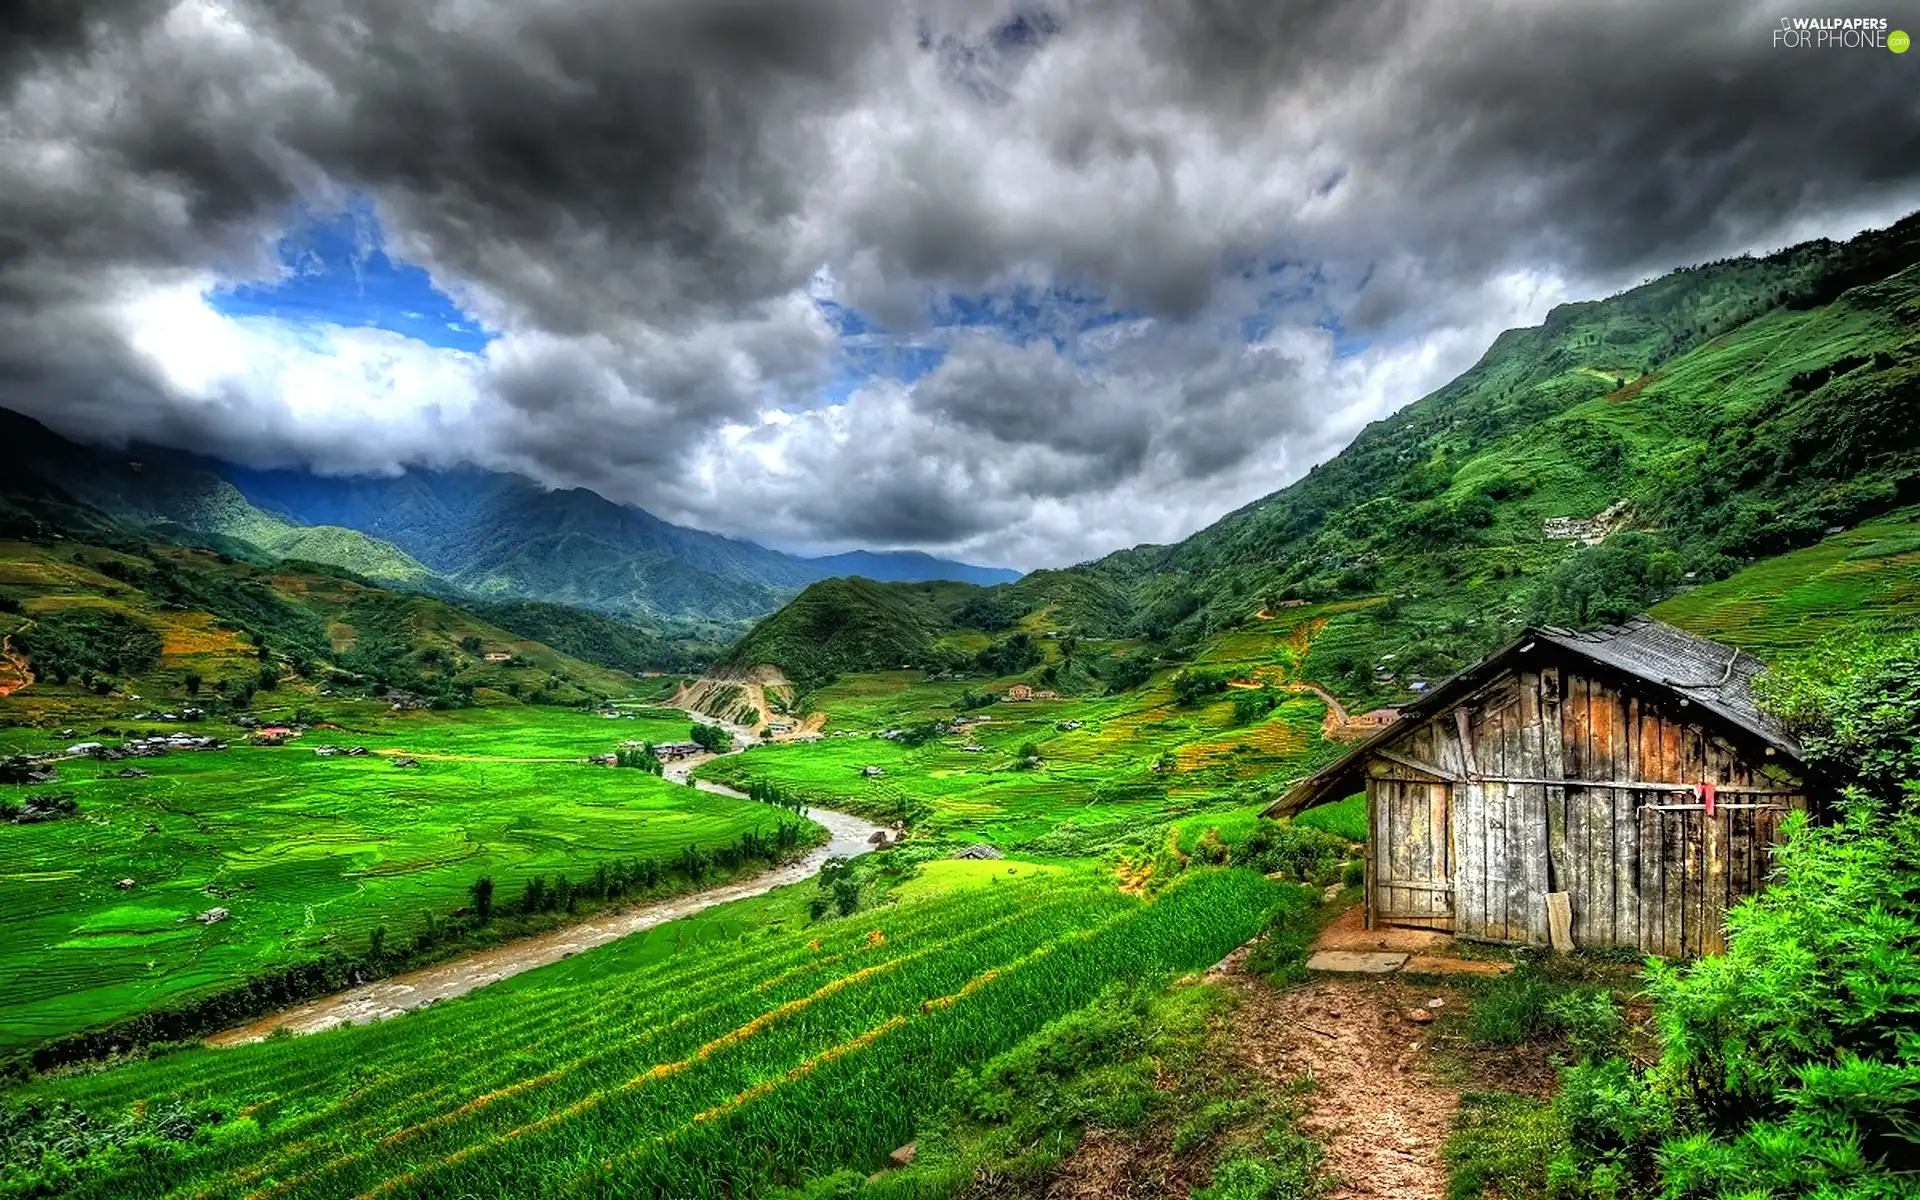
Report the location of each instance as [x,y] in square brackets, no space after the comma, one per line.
[1716,677]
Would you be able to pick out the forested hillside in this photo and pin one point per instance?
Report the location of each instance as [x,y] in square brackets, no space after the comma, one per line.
[99,625]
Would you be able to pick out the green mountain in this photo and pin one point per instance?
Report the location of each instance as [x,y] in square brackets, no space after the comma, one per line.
[56,482]
[503,535]
[97,624]
[853,625]
[1689,427]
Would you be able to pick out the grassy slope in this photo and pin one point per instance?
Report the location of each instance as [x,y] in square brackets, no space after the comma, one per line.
[1863,580]
[298,612]
[1096,784]
[626,1073]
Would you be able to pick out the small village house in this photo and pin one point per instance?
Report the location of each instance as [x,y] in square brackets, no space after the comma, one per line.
[672,751]
[1019,692]
[1612,788]
[498,656]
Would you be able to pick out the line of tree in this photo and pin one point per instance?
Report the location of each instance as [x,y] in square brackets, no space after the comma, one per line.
[771,793]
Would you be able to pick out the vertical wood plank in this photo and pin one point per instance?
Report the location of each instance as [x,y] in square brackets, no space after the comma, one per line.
[1369,884]
[1521,832]
[1629,928]
[1493,747]
[1563,860]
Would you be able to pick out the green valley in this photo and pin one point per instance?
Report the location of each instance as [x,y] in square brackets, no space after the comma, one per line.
[979,897]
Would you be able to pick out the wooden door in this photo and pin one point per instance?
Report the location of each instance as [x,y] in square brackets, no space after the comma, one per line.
[1410,858]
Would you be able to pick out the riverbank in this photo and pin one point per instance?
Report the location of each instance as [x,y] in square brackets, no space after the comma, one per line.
[411,990]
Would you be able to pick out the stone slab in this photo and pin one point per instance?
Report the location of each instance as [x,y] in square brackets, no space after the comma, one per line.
[1356,962]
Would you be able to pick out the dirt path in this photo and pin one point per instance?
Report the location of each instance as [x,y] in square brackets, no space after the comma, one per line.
[22,674]
[1336,712]
[1374,1103]
[417,989]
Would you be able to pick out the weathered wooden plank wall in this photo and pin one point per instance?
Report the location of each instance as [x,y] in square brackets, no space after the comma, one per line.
[1503,831]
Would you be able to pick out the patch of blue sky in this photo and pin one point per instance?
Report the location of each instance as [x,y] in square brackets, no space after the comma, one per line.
[335,271]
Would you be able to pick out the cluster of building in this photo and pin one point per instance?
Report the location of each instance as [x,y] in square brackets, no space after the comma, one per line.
[346,751]
[1020,693]
[146,747]
[1588,531]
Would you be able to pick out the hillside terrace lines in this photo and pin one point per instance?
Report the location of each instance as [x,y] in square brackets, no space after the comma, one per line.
[707,1051]
[586,1031]
[510,1017]
[917,970]
[496,1054]
[854,1045]
[580,1027]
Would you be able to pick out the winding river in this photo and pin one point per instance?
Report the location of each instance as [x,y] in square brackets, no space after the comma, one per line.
[456,977]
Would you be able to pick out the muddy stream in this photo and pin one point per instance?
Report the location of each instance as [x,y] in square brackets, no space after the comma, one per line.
[456,977]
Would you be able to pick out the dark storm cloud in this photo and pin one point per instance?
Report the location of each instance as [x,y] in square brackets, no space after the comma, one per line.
[636,196]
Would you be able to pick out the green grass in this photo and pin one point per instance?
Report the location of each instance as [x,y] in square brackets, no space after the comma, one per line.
[310,853]
[1867,578]
[619,1074]
[1500,1147]
[1099,773]
[1348,817]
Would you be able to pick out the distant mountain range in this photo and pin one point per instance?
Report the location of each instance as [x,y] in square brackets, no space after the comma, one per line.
[486,533]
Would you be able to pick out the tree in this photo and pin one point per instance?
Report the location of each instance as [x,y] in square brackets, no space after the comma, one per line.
[846,895]
[472,643]
[192,682]
[376,942]
[483,898]
[1610,582]
[1029,756]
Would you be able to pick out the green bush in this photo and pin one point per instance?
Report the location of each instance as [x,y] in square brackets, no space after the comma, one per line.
[1279,955]
[1298,851]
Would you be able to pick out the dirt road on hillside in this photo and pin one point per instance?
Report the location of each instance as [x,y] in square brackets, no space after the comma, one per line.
[15,676]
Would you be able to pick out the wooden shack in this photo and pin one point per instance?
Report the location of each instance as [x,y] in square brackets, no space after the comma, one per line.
[1623,780]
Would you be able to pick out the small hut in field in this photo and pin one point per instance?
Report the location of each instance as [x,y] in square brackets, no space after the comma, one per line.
[1612,788]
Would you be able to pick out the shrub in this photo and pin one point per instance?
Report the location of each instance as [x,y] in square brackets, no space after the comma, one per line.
[1279,955]
[1790,1066]
[1298,851]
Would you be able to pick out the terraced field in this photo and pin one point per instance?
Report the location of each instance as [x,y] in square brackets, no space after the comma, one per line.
[1867,577]
[711,1072]
[309,854]
[1107,769]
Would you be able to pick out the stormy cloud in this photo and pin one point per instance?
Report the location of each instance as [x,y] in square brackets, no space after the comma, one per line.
[1027,282]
